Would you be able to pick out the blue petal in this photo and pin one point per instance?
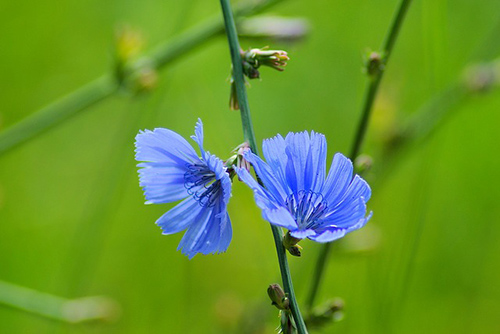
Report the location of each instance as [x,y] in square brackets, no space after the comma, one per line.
[297,150]
[315,169]
[274,152]
[280,217]
[198,136]
[362,222]
[266,174]
[225,235]
[163,145]
[192,240]
[271,210]
[357,188]
[301,234]
[210,233]
[329,235]
[338,179]
[217,166]
[162,184]
[263,199]
[345,215]
[179,217]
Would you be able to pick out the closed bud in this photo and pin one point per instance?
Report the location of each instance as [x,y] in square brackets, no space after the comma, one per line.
[250,71]
[374,63]
[290,243]
[139,78]
[363,163]
[278,297]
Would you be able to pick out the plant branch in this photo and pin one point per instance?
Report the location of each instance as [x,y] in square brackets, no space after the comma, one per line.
[57,308]
[369,99]
[249,136]
[106,86]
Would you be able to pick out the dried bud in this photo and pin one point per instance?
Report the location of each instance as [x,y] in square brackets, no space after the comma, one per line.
[278,297]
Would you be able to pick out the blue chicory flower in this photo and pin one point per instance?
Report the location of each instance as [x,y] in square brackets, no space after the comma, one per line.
[299,196]
[172,171]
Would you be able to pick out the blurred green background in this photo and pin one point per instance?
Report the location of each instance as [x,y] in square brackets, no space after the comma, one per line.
[73,222]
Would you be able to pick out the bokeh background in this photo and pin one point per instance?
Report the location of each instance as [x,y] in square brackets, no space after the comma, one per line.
[72,218]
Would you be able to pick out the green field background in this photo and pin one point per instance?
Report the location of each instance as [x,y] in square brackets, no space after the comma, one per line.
[72,217]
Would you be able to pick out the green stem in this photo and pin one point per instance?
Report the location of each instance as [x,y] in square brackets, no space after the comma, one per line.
[57,308]
[249,136]
[369,99]
[107,86]
[57,112]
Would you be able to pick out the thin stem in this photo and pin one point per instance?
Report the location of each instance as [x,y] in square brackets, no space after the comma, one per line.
[57,308]
[374,83]
[369,99]
[106,86]
[249,136]
[57,112]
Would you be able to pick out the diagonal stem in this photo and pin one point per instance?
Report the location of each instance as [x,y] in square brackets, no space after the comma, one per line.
[107,86]
[249,136]
[369,99]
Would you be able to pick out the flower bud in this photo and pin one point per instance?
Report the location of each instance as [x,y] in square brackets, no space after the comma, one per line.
[290,244]
[374,64]
[129,43]
[276,59]
[250,71]
[363,163]
[278,297]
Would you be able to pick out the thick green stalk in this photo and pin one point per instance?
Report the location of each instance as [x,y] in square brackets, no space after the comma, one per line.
[369,99]
[249,136]
[107,86]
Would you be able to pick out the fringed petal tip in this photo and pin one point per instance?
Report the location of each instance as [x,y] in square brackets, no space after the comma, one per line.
[329,235]
[198,136]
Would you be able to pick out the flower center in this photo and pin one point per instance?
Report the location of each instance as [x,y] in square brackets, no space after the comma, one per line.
[306,208]
[200,183]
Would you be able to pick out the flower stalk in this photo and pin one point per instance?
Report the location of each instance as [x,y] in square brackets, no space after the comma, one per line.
[249,136]
[375,70]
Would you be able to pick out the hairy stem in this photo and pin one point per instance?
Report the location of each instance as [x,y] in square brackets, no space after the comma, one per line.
[249,136]
[369,99]
[106,86]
